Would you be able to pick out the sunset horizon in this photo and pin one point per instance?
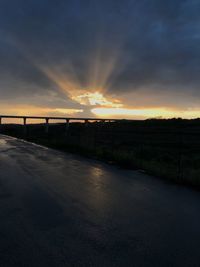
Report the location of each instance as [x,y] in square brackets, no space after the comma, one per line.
[133,60]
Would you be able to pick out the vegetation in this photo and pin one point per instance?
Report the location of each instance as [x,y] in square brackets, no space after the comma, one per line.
[165,148]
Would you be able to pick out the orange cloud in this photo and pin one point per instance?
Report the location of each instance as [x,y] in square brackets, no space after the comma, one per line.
[96,98]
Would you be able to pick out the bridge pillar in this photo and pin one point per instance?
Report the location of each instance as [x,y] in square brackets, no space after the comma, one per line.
[86,122]
[47,126]
[24,126]
[66,126]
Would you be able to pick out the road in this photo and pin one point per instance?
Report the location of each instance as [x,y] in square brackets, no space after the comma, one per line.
[59,209]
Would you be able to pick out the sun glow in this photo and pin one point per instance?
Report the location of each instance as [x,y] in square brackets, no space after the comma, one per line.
[96,98]
[145,113]
[68,111]
[94,94]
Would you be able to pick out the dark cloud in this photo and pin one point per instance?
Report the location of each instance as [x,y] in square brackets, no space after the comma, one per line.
[156,43]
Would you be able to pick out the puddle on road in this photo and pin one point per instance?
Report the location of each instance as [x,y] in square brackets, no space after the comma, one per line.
[4,145]
[2,142]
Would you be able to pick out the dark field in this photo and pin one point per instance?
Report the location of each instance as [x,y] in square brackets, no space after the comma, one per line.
[165,148]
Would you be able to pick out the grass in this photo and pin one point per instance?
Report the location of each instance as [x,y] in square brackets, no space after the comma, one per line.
[165,148]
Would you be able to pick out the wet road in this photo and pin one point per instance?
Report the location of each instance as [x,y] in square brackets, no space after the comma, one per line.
[58,209]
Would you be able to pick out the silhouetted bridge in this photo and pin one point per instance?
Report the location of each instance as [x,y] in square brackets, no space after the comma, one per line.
[48,119]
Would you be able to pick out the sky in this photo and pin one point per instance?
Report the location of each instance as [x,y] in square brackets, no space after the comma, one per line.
[100,58]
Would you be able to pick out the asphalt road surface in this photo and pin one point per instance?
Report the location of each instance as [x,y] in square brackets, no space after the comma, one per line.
[58,209]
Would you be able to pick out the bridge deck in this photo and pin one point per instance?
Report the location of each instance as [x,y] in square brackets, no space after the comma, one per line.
[57,118]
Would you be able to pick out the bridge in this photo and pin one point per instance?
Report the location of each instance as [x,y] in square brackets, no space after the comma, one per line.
[47,120]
